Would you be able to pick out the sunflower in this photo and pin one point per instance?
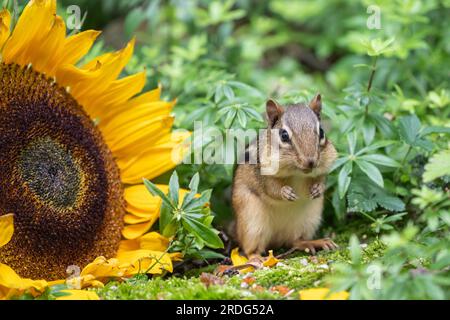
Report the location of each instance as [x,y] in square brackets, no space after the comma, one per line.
[76,141]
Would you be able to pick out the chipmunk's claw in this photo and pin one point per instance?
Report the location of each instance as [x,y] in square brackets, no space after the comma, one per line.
[311,246]
[317,190]
[287,193]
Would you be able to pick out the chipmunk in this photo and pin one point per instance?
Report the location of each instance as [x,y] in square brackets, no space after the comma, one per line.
[284,209]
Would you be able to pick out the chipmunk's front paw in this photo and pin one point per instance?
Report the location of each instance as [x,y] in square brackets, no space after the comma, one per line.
[287,193]
[317,190]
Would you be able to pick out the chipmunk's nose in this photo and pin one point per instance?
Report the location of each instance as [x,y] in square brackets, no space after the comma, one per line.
[310,163]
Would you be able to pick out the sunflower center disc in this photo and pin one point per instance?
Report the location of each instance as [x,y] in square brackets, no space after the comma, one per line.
[51,173]
[57,177]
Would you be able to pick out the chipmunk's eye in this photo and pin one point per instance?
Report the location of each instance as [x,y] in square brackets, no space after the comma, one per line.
[284,135]
[321,134]
[322,139]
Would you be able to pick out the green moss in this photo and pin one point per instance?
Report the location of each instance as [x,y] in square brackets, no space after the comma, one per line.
[299,271]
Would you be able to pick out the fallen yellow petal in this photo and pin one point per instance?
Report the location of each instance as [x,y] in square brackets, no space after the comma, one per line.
[79,295]
[322,294]
[9,279]
[239,260]
[270,260]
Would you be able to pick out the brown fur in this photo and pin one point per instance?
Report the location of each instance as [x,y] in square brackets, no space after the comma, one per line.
[284,209]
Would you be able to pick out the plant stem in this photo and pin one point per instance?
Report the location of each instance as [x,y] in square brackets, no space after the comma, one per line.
[372,77]
[406,156]
[368,216]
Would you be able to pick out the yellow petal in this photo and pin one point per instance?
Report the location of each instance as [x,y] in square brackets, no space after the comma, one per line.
[34,23]
[9,279]
[6,229]
[132,219]
[5,23]
[79,295]
[138,133]
[119,92]
[145,98]
[75,47]
[270,261]
[322,294]
[129,245]
[52,45]
[89,84]
[134,231]
[150,241]
[146,261]
[139,197]
[103,268]
[154,241]
[144,112]
[237,259]
[156,160]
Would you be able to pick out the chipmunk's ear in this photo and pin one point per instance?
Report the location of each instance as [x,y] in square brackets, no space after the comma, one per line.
[274,112]
[316,105]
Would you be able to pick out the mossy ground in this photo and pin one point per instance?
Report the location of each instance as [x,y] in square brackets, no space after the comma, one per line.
[284,281]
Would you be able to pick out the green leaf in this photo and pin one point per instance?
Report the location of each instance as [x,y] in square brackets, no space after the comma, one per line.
[199,202]
[391,203]
[383,124]
[361,202]
[174,188]
[195,181]
[371,171]
[166,223]
[430,130]
[375,146]
[206,234]
[409,128]
[438,166]
[344,179]
[368,132]
[229,119]
[158,193]
[381,160]
[242,118]
[229,93]
[351,139]
[338,163]
[355,250]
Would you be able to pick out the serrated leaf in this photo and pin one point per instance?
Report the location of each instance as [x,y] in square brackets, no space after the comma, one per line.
[391,203]
[361,202]
[438,166]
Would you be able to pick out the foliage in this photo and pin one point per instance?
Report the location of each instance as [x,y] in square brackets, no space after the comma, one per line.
[187,221]
[386,108]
